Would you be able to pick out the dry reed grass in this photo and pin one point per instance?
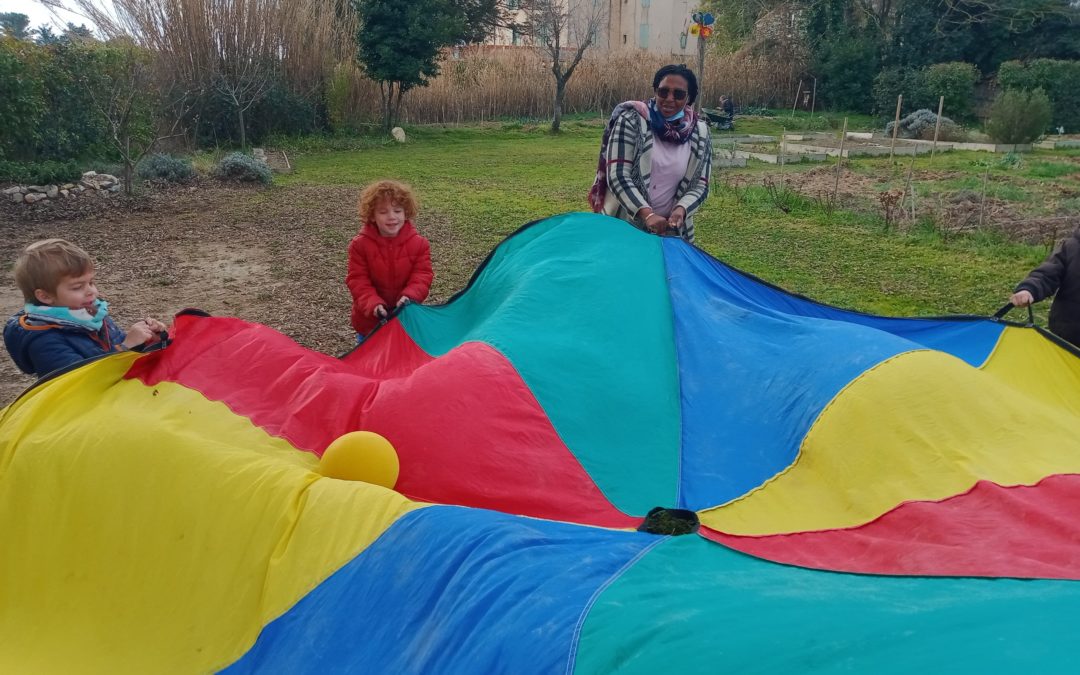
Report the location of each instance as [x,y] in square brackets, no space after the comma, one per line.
[487,84]
[199,40]
[310,44]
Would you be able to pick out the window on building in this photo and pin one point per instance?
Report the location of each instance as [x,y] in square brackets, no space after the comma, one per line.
[643,36]
[515,37]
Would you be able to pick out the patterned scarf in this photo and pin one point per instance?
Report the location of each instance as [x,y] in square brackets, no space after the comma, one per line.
[677,131]
[70,317]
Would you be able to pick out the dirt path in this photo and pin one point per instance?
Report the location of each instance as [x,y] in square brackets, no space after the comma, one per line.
[272,256]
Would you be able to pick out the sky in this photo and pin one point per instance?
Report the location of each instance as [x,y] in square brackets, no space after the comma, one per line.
[38,13]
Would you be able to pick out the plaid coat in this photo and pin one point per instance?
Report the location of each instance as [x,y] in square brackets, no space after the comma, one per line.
[629,166]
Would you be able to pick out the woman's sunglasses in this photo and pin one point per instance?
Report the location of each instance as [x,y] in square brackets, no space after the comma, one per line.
[665,92]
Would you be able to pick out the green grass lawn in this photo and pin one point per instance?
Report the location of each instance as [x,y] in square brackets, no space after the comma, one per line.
[488,181]
[780,121]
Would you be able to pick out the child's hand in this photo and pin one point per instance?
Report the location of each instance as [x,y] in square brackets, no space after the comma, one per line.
[1022,298]
[402,301]
[380,311]
[155,325]
[138,334]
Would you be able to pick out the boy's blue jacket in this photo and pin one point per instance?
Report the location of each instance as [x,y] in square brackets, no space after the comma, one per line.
[39,347]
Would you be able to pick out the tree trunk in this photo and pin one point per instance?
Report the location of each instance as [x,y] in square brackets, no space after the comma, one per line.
[397,105]
[560,92]
[388,98]
[243,132]
[128,165]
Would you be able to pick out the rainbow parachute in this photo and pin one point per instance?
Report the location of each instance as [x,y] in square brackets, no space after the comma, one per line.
[875,494]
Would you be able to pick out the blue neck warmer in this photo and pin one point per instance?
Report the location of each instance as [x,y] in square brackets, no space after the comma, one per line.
[67,316]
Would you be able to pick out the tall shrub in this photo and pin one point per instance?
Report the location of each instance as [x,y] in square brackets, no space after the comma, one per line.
[956,82]
[846,65]
[893,82]
[71,129]
[22,102]
[1018,116]
[1060,80]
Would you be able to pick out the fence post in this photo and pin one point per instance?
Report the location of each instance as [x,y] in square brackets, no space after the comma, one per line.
[701,70]
[783,133]
[839,162]
[937,127]
[813,100]
[982,206]
[908,187]
[796,103]
[895,128]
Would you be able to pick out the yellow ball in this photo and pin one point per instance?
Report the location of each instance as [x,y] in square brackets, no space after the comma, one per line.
[361,455]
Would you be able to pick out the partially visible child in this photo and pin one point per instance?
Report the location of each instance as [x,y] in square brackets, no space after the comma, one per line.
[64,321]
[389,262]
[1058,276]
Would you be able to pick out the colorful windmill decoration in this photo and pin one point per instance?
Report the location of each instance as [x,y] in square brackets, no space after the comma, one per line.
[703,24]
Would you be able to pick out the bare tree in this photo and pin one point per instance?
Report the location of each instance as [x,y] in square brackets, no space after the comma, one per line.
[562,30]
[1016,14]
[124,91]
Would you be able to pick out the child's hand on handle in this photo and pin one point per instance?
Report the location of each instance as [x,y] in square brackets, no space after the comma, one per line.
[380,311]
[1022,298]
[139,334]
[155,325]
[402,301]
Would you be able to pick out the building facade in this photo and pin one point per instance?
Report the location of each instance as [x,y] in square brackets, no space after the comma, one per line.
[658,26]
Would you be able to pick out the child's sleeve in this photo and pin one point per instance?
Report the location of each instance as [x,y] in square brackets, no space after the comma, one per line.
[358,279]
[1045,279]
[47,355]
[421,276]
[116,334]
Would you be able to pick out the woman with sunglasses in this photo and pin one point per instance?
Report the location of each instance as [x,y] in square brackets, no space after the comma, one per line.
[656,158]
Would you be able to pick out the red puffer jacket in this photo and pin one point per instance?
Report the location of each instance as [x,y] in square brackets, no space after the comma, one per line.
[383,269]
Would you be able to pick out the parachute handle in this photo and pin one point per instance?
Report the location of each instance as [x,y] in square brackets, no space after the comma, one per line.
[1000,314]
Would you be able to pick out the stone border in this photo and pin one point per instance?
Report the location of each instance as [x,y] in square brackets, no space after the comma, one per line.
[92,183]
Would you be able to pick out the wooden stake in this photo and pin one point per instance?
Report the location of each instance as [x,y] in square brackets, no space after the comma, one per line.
[839,162]
[813,99]
[796,103]
[937,127]
[701,69]
[907,187]
[895,128]
[982,206]
[783,132]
